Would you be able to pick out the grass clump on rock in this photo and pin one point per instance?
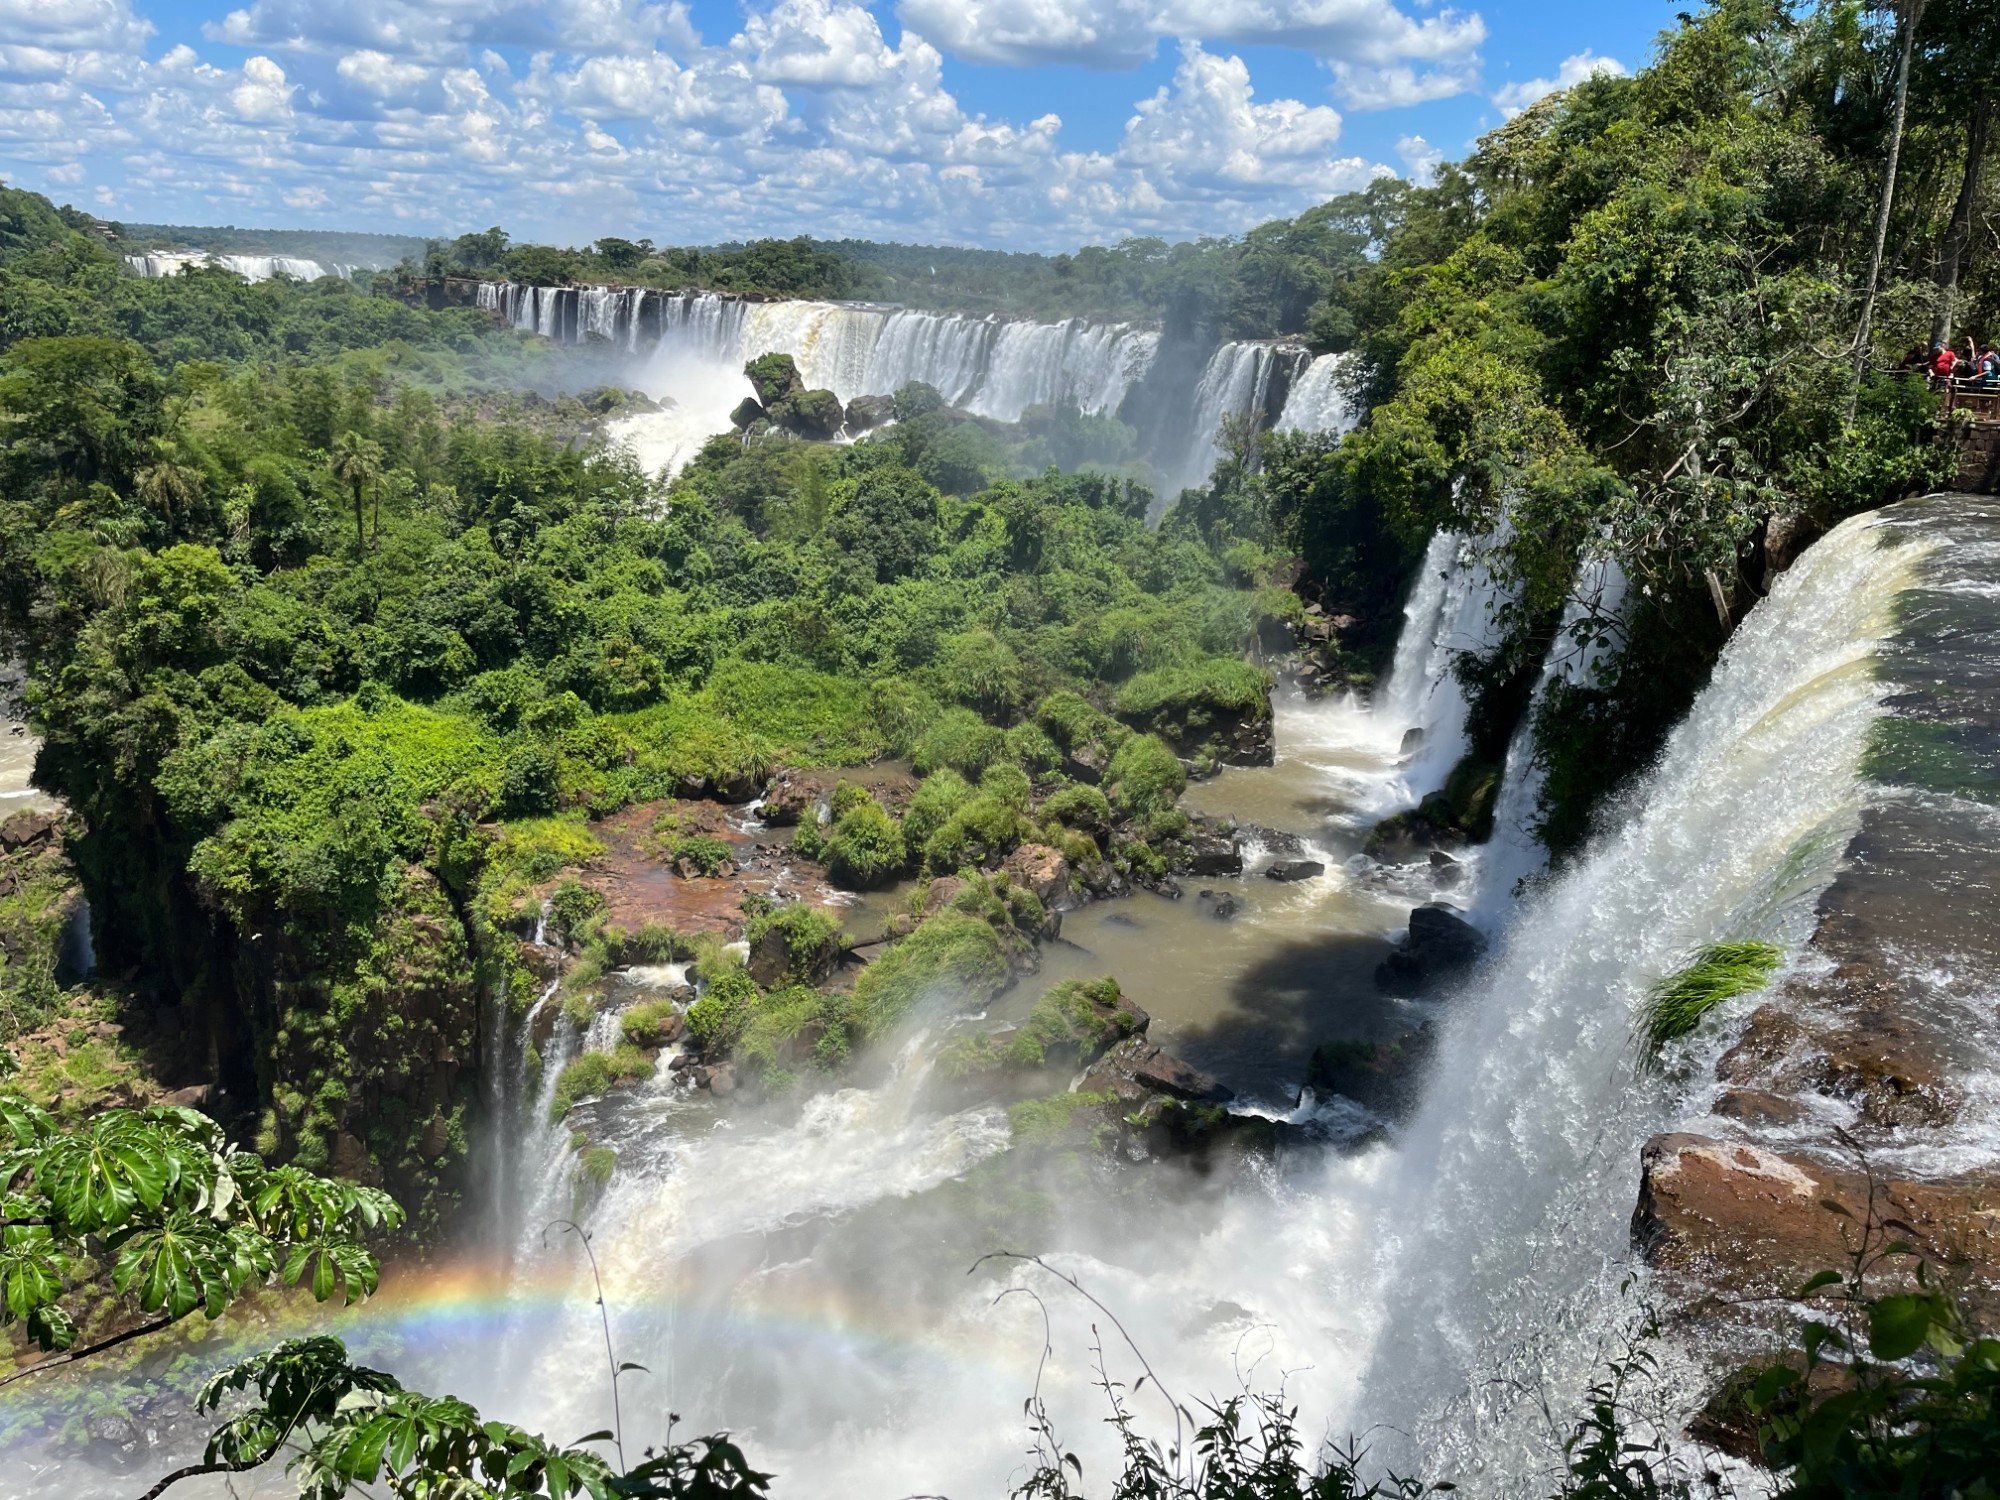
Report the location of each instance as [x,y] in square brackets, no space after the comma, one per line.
[951,954]
[596,1073]
[1720,972]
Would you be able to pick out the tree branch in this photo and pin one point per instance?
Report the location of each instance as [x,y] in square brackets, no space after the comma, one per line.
[73,1355]
[195,1471]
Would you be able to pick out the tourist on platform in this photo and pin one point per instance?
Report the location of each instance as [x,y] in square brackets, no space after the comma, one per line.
[1944,361]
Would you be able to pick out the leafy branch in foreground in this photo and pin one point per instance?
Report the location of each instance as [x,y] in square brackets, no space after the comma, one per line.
[156,1201]
[350,1426]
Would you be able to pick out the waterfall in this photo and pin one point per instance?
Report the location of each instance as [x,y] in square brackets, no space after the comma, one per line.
[1513,852]
[1451,611]
[1316,402]
[693,345]
[1236,381]
[250,267]
[1504,1230]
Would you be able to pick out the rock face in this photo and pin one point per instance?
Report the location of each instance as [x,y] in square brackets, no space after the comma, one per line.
[747,413]
[1439,944]
[1757,1222]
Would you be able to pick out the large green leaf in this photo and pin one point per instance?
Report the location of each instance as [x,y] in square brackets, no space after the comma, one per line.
[94,1178]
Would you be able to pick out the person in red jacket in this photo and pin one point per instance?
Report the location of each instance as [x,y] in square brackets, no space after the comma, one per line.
[1943,361]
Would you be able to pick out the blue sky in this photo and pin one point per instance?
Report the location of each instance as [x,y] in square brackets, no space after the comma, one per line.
[1033,124]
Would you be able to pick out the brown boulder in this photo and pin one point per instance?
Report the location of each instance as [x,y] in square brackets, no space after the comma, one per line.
[1744,1221]
[26,829]
[1041,869]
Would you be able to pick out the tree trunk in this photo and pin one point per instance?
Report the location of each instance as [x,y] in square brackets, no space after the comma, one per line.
[360,523]
[1911,13]
[1951,255]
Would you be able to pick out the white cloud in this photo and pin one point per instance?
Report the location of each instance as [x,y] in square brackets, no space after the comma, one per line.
[1124,33]
[108,24]
[816,43]
[263,95]
[1419,157]
[435,28]
[807,119]
[1398,85]
[1515,97]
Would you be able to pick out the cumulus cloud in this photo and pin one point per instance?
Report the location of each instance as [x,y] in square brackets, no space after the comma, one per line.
[806,119]
[1515,97]
[1124,33]
[100,24]
[1419,157]
[437,28]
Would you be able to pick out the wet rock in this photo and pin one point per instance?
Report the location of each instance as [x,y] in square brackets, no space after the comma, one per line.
[1446,872]
[1381,1076]
[788,800]
[1249,743]
[1413,737]
[1086,763]
[722,1080]
[1271,840]
[1755,1107]
[1743,1221]
[1294,870]
[1221,905]
[1138,1063]
[1042,870]
[747,413]
[1214,854]
[1439,944]
[865,413]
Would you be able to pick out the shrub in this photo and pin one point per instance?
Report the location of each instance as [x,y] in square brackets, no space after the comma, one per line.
[529,782]
[1030,748]
[1008,784]
[1046,1122]
[952,955]
[1182,700]
[783,1016]
[941,794]
[1082,807]
[960,739]
[865,848]
[718,1018]
[573,907]
[1144,777]
[981,672]
[595,1073]
[811,937]
[1070,721]
[1079,1018]
[981,832]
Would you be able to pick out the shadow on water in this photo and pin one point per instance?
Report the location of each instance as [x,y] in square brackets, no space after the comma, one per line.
[1295,995]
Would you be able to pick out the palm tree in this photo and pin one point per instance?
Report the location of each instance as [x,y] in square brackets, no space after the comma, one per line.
[167,484]
[357,461]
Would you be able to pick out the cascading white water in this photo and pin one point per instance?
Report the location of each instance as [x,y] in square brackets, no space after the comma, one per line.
[1316,402]
[1236,381]
[249,267]
[694,345]
[1503,1228]
[1514,853]
[1451,612]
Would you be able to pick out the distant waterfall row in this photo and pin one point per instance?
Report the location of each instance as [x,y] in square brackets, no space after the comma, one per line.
[991,365]
[249,267]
